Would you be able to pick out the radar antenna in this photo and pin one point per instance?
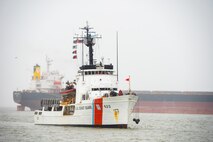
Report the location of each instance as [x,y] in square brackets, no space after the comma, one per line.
[89,41]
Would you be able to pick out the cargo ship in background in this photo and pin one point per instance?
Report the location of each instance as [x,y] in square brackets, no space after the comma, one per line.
[45,89]
[43,86]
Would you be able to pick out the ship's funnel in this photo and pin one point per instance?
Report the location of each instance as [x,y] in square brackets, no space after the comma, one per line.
[36,72]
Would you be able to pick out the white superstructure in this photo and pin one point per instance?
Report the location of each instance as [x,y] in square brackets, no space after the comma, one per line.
[96,83]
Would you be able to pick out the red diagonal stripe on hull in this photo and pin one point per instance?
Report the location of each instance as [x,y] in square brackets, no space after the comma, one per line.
[98,112]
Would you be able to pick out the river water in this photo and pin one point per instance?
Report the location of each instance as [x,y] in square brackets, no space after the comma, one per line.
[18,126]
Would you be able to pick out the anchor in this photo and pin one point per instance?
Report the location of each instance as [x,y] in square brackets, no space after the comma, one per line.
[136,120]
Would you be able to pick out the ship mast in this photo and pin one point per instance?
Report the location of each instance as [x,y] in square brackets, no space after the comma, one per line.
[48,63]
[88,38]
[89,41]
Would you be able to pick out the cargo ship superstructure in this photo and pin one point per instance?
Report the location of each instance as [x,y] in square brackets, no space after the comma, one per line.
[45,86]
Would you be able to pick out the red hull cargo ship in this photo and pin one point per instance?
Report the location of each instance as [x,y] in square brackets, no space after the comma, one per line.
[184,102]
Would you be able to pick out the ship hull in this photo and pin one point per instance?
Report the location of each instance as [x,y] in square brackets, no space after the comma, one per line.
[102,112]
[32,100]
[95,126]
[175,102]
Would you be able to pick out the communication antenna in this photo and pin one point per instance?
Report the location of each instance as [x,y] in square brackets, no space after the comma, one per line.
[82,56]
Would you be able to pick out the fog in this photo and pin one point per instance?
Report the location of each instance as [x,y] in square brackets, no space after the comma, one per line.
[163,44]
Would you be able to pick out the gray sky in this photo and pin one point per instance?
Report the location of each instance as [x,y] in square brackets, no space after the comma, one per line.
[164,44]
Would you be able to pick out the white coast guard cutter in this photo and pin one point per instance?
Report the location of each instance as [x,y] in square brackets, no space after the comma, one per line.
[95,101]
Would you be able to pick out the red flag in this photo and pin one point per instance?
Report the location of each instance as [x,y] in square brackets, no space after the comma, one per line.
[74,52]
[75,57]
[127,79]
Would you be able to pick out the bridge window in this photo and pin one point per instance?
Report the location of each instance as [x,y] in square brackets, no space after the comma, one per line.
[83,97]
[58,108]
[69,110]
[98,72]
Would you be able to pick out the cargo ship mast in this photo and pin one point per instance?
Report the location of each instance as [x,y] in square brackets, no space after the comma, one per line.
[48,63]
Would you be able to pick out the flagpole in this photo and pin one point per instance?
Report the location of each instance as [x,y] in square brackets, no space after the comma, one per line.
[117,52]
[82,57]
[129,85]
